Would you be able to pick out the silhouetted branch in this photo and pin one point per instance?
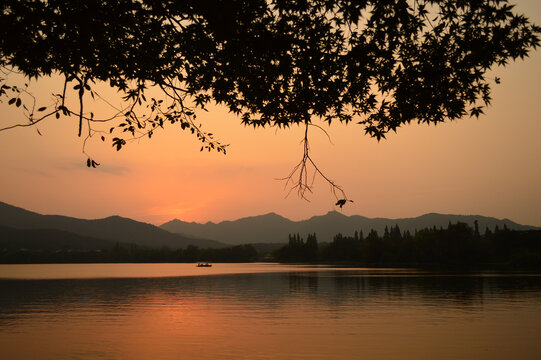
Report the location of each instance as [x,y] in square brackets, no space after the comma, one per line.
[381,64]
[298,178]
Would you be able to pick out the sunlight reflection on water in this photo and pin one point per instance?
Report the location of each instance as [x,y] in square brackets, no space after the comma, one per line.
[273,312]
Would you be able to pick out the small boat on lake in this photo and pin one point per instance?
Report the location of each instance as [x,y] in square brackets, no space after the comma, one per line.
[204,264]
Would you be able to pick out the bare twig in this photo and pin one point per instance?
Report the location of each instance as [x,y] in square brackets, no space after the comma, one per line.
[298,178]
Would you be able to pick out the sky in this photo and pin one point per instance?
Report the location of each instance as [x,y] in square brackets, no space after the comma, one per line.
[489,166]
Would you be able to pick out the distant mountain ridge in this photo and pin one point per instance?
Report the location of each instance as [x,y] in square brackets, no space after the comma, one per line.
[113,228]
[273,228]
[268,228]
[49,240]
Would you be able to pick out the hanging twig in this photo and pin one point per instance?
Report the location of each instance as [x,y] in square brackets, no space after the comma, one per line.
[299,179]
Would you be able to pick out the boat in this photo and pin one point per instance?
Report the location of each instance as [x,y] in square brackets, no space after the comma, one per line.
[204,264]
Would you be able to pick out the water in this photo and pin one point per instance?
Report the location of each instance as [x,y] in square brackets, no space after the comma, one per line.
[262,311]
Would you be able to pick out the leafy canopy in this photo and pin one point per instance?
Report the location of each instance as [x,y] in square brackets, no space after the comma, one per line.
[381,63]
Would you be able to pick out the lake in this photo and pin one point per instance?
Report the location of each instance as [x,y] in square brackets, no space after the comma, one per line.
[264,311]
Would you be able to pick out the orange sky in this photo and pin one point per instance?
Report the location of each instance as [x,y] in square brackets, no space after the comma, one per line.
[489,166]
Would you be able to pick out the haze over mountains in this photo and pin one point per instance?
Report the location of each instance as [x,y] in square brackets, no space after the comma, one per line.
[20,228]
[273,228]
[29,228]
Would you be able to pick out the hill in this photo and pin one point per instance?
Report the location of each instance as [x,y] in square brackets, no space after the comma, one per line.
[257,229]
[273,228]
[48,239]
[113,228]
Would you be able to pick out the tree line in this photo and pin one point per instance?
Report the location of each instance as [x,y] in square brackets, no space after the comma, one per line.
[124,253]
[457,246]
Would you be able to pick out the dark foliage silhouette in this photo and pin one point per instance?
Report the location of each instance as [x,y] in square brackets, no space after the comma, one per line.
[381,63]
[129,253]
[459,247]
[456,247]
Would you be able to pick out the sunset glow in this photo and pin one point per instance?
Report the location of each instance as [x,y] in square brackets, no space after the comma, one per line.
[332,180]
[488,166]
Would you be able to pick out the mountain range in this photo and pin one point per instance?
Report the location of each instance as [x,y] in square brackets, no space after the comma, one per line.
[27,228]
[20,228]
[273,228]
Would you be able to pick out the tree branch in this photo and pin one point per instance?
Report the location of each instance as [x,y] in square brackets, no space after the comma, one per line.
[298,178]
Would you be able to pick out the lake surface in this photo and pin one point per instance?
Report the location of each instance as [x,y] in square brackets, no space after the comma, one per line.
[264,311]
